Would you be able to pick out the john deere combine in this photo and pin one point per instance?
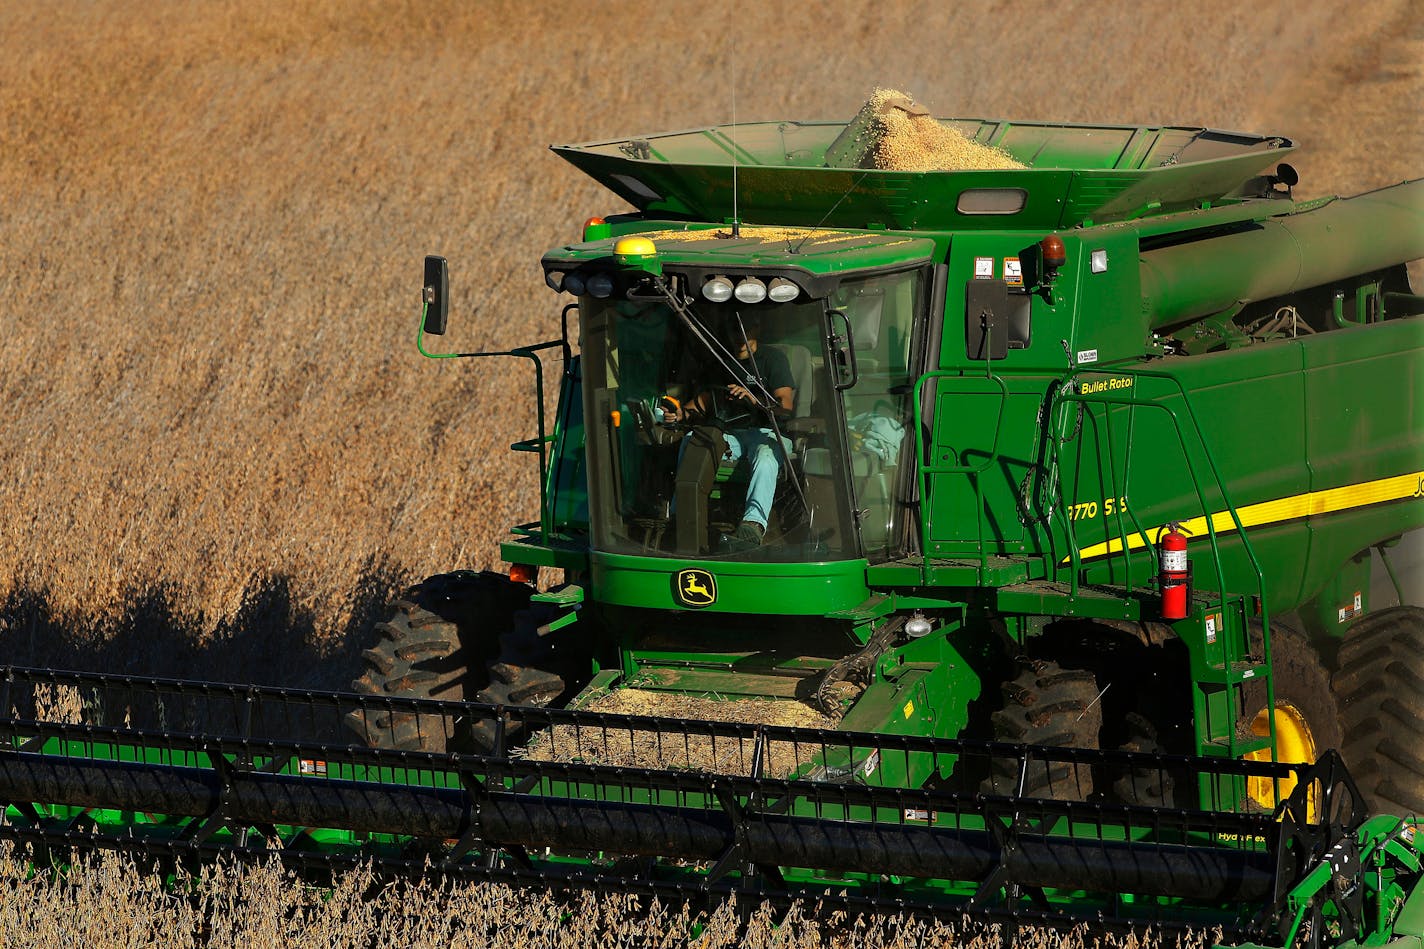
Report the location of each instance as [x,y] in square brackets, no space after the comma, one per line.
[1052,489]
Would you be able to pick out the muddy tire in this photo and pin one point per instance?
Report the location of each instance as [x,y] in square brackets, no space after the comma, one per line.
[1379,685]
[1143,697]
[1047,705]
[1301,683]
[441,639]
[1146,785]
[1306,710]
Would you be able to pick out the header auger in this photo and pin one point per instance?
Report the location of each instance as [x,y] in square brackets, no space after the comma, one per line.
[994,541]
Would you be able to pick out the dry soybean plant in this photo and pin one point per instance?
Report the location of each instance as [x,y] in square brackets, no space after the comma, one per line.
[107,901]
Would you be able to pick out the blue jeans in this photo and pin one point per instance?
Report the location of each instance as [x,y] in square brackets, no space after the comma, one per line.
[759,446]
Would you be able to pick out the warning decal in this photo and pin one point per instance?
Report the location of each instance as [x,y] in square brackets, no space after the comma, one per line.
[1013,272]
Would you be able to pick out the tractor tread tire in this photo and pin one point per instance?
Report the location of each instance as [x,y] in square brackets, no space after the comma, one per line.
[431,648]
[1147,786]
[1380,688]
[1300,681]
[1047,705]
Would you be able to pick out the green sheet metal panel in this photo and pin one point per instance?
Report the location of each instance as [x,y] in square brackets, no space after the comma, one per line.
[785,589]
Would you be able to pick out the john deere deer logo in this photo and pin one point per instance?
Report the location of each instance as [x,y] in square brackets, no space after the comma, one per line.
[695,588]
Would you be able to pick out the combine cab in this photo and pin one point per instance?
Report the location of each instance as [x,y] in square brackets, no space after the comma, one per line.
[992,541]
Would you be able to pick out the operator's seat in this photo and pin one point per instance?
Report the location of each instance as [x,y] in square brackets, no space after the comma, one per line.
[803,376]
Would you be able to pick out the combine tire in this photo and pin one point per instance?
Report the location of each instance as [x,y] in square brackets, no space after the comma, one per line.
[1047,705]
[1148,786]
[437,645]
[1141,691]
[1306,716]
[1380,688]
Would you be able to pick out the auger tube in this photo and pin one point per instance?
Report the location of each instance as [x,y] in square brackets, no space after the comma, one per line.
[1282,254]
[500,818]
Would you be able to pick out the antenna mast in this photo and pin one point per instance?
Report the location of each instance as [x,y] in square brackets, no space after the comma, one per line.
[736,215]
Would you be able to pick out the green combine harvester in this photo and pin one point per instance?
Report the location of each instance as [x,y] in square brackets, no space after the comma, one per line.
[1051,490]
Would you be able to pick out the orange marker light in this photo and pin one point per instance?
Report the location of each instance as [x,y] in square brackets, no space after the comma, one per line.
[617,417]
[524,573]
[1055,255]
[596,229]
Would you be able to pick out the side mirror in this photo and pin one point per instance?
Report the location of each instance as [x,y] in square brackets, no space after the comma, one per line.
[436,295]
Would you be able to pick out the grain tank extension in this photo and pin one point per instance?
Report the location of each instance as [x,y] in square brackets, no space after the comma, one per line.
[994,541]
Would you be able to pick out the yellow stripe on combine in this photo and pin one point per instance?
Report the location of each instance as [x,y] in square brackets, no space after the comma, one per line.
[1311,504]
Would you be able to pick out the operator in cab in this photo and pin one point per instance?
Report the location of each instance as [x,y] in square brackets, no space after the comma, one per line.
[749,409]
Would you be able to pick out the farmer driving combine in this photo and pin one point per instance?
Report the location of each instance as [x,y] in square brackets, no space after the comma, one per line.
[763,393]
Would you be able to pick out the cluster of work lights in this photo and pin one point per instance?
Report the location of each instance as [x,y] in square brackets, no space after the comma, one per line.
[597,285]
[717,289]
[749,290]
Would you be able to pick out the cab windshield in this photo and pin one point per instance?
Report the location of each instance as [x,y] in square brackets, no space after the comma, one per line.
[755,432]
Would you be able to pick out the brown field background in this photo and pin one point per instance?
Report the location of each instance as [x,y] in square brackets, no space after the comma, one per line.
[221,452]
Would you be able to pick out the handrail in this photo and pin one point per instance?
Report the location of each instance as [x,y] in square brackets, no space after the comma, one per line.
[1069,392]
[542,440]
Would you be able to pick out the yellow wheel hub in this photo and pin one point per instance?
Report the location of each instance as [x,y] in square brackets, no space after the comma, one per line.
[1294,745]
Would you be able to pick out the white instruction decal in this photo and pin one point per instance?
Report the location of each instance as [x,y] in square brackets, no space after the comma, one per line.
[1013,272]
[1086,356]
[983,268]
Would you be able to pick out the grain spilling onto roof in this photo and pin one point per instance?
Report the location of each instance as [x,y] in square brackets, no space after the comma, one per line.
[716,754]
[898,134]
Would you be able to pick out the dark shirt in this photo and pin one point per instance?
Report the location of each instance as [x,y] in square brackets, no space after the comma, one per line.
[773,369]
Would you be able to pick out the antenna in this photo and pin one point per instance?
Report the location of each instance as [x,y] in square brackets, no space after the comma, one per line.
[736,217]
[825,217]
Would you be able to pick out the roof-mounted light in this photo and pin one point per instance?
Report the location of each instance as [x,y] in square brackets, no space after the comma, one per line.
[555,279]
[600,286]
[717,290]
[750,290]
[573,282]
[596,229]
[782,290]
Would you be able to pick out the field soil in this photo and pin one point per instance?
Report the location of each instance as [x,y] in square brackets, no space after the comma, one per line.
[223,454]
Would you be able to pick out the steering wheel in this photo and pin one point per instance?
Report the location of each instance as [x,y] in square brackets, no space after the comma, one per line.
[728,412]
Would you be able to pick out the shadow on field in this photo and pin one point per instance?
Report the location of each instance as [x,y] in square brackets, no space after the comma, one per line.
[270,640]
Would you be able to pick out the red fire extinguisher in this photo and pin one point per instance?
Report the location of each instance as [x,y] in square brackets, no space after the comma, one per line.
[1176,576]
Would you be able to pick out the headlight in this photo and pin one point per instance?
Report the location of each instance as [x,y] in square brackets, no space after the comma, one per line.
[574,284]
[751,290]
[600,286]
[717,290]
[783,290]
